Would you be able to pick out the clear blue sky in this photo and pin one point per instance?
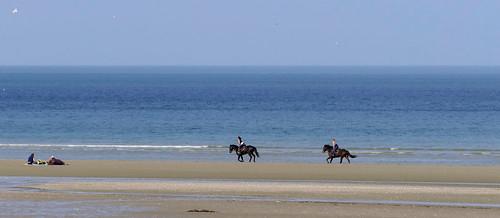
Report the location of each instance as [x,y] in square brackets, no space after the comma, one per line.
[249,32]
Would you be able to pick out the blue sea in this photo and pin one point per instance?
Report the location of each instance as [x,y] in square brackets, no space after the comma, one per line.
[446,115]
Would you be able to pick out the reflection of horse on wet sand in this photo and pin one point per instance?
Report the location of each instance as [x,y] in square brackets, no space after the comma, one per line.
[250,150]
[342,153]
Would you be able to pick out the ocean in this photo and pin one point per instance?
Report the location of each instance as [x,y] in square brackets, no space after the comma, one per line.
[444,115]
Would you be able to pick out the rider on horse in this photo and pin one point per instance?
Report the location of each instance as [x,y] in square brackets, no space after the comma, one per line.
[241,143]
[335,147]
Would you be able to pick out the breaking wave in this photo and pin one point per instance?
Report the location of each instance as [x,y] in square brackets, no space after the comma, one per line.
[109,146]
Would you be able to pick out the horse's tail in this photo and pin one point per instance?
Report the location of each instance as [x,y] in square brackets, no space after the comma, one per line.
[256,152]
[352,156]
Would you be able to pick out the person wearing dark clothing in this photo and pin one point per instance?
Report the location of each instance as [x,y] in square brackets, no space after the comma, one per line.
[31,159]
[55,161]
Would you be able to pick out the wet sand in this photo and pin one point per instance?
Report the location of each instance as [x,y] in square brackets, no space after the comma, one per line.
[273,171]
[264,189]
[117,205]
[303,191]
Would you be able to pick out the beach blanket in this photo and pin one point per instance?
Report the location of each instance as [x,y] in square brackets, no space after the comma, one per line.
[38,163]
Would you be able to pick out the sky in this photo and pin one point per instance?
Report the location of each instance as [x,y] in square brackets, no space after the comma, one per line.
[249,32]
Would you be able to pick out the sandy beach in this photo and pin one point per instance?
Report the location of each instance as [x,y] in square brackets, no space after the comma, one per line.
[268,171]
[120,205]
[157,188]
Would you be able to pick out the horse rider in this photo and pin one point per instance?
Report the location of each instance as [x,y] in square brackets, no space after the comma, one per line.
[241,143]
[335,146]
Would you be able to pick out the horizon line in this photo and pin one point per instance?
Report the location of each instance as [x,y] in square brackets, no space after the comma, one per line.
[243,65]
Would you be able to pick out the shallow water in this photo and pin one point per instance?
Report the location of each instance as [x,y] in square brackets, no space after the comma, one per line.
[87,208]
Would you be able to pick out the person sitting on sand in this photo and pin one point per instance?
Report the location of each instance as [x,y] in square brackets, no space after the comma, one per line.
[31,159]
[54,161]
[335,146]
[242,144]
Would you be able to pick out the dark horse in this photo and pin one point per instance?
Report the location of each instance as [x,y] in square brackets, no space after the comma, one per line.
[250,150]
[342,153]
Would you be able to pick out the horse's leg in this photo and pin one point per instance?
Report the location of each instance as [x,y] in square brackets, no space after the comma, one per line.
[341,158]
[253,157]
[250,155]
[331,159]
[349,161]
[327,160]
[240,158]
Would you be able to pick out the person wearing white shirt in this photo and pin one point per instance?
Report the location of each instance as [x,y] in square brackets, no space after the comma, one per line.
[335,146]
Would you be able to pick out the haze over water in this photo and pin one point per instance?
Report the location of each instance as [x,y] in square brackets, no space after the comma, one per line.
[383,114]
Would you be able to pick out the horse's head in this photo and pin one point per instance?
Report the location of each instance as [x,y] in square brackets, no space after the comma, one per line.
[325,148]
[232,147]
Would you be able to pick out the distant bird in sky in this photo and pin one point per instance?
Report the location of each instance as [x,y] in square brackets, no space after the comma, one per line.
[15,11]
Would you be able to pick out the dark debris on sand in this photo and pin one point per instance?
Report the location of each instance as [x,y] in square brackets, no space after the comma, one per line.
[201,211]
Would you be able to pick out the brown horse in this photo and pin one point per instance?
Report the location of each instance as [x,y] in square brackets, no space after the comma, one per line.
[250,150]
[342,153]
